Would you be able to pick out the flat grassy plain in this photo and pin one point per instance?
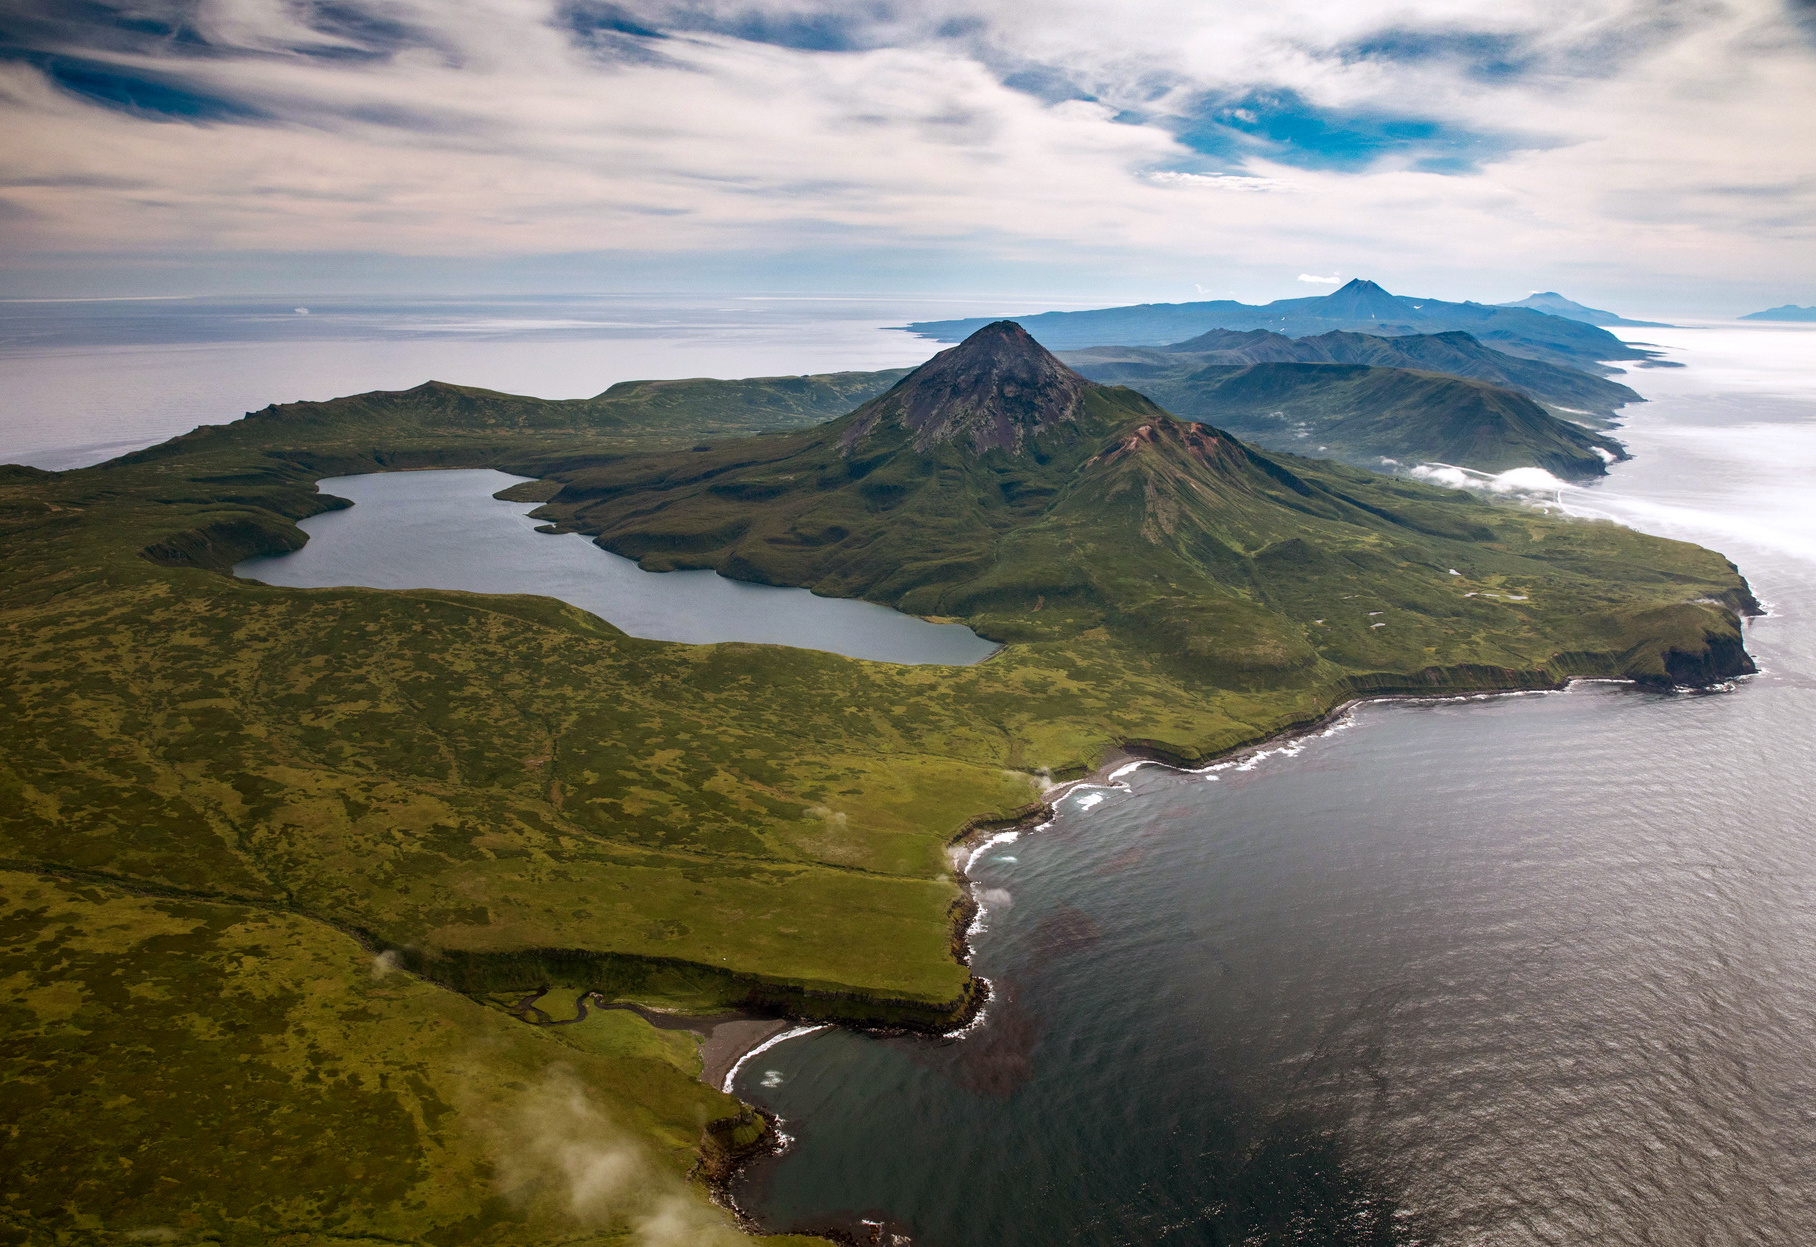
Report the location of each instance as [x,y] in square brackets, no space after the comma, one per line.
[275,860]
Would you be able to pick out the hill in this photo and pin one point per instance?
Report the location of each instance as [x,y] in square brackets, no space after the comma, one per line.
[994,483]
[1789,311]
[1365,415]
[1554,304]
[1456,353]
[1359,307]
[279,867]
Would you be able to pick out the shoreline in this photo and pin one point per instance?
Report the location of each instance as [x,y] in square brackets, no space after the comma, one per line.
[979,835]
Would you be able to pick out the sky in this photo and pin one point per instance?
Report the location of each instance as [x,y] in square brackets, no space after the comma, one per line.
[1659,155]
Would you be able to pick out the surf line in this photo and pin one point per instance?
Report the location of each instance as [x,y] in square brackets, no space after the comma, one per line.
[793,1032]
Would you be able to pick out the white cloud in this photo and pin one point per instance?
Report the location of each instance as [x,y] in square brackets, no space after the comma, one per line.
[490,131]
[1333,280]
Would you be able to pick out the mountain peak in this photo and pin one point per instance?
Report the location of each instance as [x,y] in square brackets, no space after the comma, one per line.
[993,391]
[1552,303]
[1364,300]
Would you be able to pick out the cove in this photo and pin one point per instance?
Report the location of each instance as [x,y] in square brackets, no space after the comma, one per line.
[444,530]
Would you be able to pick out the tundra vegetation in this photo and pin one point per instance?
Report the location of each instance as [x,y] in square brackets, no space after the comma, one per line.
[279,863]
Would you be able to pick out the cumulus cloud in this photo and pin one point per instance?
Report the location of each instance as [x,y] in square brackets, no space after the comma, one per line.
[1512,481]
[1428,135]
[1333,280]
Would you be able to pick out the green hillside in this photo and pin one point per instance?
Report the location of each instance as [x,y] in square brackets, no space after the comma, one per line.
[1364,415]
[1571,390]
[279,861]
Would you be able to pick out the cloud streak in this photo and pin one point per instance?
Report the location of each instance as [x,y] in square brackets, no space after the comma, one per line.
[1210,133]
[564,1158]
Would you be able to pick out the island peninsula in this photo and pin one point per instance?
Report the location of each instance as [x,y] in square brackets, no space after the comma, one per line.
[282,866]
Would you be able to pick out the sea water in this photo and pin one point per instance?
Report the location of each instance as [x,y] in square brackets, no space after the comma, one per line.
[1498,971]
[84,380]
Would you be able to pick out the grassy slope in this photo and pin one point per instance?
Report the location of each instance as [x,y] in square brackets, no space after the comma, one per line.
[1456,353]
[217,798]
[1363,414]
[181,1070]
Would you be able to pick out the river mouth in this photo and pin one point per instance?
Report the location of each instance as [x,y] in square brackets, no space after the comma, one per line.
[1516,971]
[443,529]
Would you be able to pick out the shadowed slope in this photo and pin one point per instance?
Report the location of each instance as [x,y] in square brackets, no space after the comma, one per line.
[1366,415]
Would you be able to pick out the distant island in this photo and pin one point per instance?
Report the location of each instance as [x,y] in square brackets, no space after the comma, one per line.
[1554,304]
[1359,307]
[322,882]
[1789,311]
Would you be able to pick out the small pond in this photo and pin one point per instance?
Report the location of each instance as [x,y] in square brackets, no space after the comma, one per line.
[444,530]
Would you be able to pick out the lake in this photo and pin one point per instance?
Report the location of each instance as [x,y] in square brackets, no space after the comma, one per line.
[444,530]
[1500,971]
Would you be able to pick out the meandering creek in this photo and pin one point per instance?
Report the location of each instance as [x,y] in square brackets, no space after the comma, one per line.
[444,530]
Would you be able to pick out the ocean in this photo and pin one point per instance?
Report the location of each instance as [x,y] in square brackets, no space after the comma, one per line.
[85,380]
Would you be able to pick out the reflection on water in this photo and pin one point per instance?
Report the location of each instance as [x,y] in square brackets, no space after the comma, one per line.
[444,530]
[1511,971]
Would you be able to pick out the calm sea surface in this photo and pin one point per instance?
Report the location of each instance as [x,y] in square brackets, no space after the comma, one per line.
[82,381]
[1522,970]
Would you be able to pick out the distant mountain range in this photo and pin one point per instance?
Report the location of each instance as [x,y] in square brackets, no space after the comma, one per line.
[1789,311]
[1359,307]
[1457,353]
[1554,304]
[1412,399]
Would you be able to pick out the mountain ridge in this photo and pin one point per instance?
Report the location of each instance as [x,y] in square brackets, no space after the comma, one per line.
[1555,304]
[1118,514]
[1784,312]
[1455,352]
[1359,305]
[1378,417]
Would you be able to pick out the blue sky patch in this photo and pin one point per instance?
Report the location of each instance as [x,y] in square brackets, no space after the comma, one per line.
[1282,126]
[144,95]
[845,31]
[588,18]
[1484,55]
